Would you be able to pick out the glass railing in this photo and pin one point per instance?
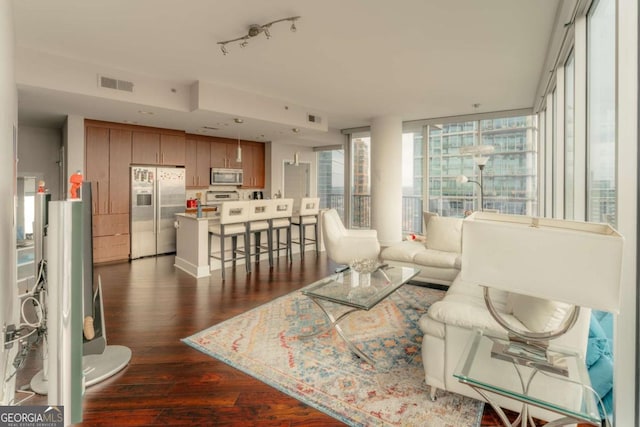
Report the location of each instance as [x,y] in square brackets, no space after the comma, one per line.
[361,210]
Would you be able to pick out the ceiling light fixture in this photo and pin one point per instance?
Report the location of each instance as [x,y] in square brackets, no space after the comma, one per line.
[239,149]
[255,29]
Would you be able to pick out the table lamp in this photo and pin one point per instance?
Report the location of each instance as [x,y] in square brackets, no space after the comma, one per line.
[571,262]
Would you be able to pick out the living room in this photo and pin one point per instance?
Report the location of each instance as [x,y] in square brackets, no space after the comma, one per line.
[498,59]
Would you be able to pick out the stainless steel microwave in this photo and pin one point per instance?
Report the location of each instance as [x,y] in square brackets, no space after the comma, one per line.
[226,176]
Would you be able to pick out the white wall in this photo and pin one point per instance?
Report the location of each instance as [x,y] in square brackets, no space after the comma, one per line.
[73,141]
[8,175]
[39,155]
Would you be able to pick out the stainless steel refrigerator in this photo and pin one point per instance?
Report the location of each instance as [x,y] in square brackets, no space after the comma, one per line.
[157,194]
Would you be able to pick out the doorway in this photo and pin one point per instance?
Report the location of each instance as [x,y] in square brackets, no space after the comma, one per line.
[297,180]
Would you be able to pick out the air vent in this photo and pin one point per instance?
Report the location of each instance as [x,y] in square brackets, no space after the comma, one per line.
[111,83]
[313,118]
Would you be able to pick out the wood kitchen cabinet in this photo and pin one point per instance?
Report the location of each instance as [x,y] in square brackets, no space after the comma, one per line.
[172,149]
[253,158]
[119,159]
[97,167]
[107,158]
[154,148]
[197,161]
[224,153]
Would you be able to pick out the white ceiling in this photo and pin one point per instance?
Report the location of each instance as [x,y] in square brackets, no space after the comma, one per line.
[351,59]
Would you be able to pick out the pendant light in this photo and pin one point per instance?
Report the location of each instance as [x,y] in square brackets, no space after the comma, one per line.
[239,149]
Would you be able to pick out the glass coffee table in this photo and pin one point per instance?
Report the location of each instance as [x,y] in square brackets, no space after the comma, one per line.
[528,384]
[355,292]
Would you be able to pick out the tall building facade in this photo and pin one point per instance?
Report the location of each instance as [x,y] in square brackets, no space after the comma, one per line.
[331,180]
[509,178]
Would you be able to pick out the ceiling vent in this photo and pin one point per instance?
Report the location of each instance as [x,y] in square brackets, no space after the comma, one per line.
[311,118]
[111,83]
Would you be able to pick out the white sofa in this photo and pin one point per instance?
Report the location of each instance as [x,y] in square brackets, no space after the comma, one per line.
[438,258]
[450,324]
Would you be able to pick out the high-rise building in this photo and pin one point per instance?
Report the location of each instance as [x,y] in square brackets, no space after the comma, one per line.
[509,178]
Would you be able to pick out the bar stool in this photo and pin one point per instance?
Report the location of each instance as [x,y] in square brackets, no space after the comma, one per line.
[260,212]
[307,215]
[281,220]
[233,223]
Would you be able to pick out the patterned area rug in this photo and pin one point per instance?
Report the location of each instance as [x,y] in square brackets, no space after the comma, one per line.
[322,372]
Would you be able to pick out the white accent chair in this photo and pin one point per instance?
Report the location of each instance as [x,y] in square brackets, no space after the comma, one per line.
[343,245]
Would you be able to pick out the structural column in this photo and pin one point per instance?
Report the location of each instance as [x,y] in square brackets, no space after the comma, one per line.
[386,179]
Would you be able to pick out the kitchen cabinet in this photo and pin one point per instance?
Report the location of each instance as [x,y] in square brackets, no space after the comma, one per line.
[145,148]
[197,161]
[119,159]
[224,153]
[253,158]
[97,167]
[154,148]
[107,158]
[172,149]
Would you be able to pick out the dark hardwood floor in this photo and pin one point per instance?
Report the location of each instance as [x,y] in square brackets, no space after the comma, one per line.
[149,306]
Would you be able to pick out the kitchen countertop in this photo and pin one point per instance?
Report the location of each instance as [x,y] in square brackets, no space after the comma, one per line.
[207,216]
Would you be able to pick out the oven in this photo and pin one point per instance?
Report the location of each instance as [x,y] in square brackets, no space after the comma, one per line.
[215,198]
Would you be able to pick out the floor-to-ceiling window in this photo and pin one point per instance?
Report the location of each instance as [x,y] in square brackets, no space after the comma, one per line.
[601,112]
[412,180]
[509,178]
[569,139]
[360,180]
[331,179]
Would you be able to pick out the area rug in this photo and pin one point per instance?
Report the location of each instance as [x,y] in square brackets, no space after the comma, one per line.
[322,372]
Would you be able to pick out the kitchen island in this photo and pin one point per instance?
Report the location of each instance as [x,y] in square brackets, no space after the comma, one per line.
[192,244]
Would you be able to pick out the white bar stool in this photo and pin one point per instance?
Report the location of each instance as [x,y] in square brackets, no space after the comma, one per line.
[260,212]
[307,215]
[233,223]
[281,220]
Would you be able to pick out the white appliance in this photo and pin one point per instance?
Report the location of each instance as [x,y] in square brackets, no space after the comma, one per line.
[157,194]
[226,176]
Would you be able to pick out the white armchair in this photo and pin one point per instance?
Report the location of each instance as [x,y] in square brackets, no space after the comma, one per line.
[343,245]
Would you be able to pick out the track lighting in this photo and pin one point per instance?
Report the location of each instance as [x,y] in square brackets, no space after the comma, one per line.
[255,29]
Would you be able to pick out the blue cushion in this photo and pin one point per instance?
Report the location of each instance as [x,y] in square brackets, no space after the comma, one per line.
[599,359]
[601,375]
[596,348]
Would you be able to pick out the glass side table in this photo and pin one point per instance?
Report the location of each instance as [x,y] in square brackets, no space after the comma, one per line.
[527,384]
